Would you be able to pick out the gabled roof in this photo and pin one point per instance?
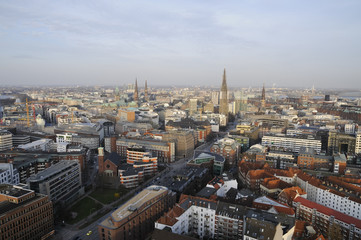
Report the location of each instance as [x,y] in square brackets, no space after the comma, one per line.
[268,203]
[273,183]
[113,157]
[291,193]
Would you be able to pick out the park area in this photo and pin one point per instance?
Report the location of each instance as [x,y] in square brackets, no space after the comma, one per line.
[82,209]
[107,196]
[95,201]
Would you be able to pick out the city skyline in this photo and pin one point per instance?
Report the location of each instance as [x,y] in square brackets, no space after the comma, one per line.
[288,44]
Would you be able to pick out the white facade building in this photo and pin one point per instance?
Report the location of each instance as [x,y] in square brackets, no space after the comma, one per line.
[39,145]
[350,128]
[292,143]
[9,174]
[6,140]
[193,220]
[66,137]
[358,142]
[331,198]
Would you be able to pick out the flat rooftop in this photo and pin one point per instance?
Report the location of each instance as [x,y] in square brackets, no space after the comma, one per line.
[133,204]
[9,206]
[52,170]
[35,143]
[12,191]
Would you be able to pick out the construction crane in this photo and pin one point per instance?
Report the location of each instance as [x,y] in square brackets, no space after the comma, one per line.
[33,107]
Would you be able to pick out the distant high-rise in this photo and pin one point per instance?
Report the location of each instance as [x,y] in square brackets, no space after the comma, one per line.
[135,95]
[146,91]
[215,98]
[223,96]
[263,100]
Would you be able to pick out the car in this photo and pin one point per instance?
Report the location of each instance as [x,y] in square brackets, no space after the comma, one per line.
[89,233]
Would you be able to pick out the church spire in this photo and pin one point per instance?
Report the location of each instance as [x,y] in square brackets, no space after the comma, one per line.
[135,95]
[263,93]
[224,82]
[146,91]
[223,97]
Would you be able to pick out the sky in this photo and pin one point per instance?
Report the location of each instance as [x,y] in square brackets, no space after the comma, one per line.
[281,43]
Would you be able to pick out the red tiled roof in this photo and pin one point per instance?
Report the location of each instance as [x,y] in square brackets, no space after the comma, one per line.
[321,237]
[292,192]
[166,220]
[300,225]
[328,211]
[273,182]
[285,210]
[279,207]
[170,218]
[342,183]
[259,174]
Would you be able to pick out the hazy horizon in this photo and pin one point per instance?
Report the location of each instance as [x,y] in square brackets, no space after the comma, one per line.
[181,43]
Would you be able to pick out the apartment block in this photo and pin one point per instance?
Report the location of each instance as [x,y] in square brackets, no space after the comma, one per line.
[325,218]
[191,216]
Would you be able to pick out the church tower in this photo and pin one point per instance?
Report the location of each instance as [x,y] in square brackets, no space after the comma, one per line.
[135,95]
[263,100]
[223,98]
[146,91]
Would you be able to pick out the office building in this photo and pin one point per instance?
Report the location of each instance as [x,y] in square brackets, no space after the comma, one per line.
[307,158]
[126,115]
[227,148]
[6,140]
[20,139]
[24,214]
[164,150]
[185,142]
[212,161]
[135,218]
[61,182]
[292,143]
[9,174]
[341,143]
[39,145]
